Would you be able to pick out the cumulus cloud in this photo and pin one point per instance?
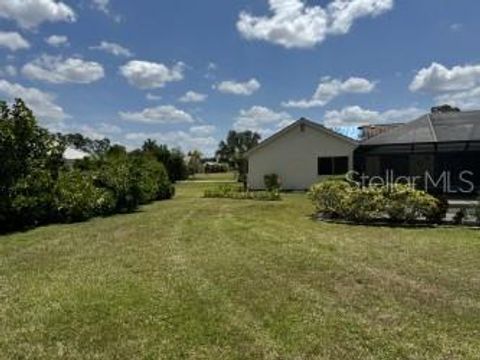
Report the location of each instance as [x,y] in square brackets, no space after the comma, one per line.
[262,120]
[113,48]
[13,41]
[56,70]
[458,86]
[8,70]
[31,13]
[357,116]
[166,114]
[438,78]
[193,97]
[238,88]
[186,140]
[329,89]
[57,40]
[150,75]
[42,103]
[153,97]
[203,130]
[294,24]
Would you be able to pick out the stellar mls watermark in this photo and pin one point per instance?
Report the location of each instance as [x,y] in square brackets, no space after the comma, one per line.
[446,182]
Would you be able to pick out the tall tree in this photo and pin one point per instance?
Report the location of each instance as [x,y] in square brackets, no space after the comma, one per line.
[174,160]
[195,162]
[232,150]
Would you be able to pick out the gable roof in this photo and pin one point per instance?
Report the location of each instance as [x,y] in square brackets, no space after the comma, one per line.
[299,122]
[433,128]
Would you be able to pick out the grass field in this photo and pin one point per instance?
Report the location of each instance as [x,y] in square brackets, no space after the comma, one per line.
[196,278]
[228,176]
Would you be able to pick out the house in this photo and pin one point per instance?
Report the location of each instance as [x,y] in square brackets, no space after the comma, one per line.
[300,154]
[442,148]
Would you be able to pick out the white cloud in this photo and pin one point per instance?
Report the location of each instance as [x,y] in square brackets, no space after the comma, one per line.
[356,116]
[101,5]
[153,97]
[57,40]
[150,75]
[177,139]
[456,27]
[13,41]
[193,97]
[458,86]
[203,130]
[329,89]
[166,114]
[31,13]
[438,78]
[8,70]
[262,120]
[56,70]
[42,103]
[465,100]
[238,88]
[295,24]
[113,48]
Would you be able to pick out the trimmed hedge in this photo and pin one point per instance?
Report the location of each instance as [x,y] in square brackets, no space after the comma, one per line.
[396,203]
[237,193]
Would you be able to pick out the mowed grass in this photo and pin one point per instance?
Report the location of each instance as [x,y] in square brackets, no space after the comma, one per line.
[196,278]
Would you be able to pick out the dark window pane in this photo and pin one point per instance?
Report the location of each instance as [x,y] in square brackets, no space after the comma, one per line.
[325,166]
[340,165]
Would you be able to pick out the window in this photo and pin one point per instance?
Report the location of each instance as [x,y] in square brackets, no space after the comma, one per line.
[333,165]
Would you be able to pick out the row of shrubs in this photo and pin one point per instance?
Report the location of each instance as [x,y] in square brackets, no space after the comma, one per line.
[37,187]
[395,203]
[236,192]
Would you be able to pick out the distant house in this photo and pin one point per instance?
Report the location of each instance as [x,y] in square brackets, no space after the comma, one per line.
[300,154]
[438,143]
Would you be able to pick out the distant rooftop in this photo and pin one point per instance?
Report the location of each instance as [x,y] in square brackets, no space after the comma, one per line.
[433,128]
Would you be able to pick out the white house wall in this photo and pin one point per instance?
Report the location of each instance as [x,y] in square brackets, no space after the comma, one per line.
[294,157]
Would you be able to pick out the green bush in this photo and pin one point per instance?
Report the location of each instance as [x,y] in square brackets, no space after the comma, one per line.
[405,204]
[272,182]
[331,198]
[398,203]
[77,198]
[236,192]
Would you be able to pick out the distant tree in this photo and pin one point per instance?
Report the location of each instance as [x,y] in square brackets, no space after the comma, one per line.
[174,160]
[195,165]
[444,109]
[80,142]
[232,150]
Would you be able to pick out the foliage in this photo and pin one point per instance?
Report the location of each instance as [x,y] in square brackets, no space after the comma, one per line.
[398,203]
[37,188]
[77,198]
[194,164]
[439,212]
[237,193]
[80,142]
[30,160]
[405,204]
[233,149]
[173,160]
[215,168]
[272,182]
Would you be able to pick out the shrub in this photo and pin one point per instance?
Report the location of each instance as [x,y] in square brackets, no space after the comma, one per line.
[364,204]
[331,198]
[399,203]
[438,213]
[272,182]
[77,198]
[236,192]
[405,204]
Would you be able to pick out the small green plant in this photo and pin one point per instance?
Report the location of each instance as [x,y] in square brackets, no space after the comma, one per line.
[272,182]
[459,217]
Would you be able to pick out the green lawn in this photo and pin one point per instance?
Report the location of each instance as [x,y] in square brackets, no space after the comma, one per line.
[228,176]
[224,279]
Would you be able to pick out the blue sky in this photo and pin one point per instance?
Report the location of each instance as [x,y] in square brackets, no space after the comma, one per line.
[184,72]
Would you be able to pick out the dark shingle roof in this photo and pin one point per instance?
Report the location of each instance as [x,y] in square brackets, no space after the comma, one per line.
[433,128]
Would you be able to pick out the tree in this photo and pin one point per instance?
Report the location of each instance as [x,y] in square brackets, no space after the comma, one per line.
[233,150]
[444,109]
[195,165]
[94,147]
[31,159]
[174,160]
